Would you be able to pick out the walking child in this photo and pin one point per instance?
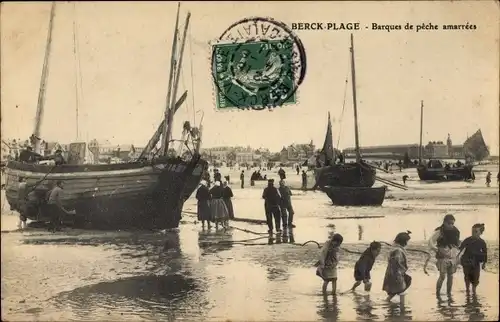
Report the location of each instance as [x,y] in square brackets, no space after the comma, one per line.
[364,265]
[396,280]
[328,262]
[475,253]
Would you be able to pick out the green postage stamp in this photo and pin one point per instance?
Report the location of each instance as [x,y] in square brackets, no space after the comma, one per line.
[260,68]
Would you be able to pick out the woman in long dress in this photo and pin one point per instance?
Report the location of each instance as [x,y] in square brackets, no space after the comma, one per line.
[203,197]
[218,208]
[396,281]
[228,194]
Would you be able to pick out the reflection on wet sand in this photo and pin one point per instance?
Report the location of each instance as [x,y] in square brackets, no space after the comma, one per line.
[213,241]
[447,308]
[398,312]
[364,306]
[328,309]
[473,308]
[162,296]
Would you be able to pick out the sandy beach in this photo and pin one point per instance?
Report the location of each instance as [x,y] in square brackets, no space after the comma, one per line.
[241,274]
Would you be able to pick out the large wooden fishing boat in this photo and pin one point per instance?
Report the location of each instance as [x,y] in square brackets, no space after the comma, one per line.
[347,183]
[437,170]
[149,192]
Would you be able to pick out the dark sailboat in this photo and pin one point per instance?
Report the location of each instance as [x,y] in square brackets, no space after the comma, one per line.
[437,170]
[148,193]
[347,183]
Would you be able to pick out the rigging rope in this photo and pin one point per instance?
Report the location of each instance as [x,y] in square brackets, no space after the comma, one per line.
[76,67]
[343,104]
[78,70]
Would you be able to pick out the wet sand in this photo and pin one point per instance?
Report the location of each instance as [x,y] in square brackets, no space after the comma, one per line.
[207,275]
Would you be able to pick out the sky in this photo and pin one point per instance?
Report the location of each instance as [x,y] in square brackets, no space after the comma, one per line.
[124,57]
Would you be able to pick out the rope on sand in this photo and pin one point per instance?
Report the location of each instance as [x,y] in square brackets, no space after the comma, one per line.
[428,257]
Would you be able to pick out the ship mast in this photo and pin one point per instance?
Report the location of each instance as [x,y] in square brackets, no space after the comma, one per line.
[421,131]
[164,141]
[170,113]
[353,77]
[43,83]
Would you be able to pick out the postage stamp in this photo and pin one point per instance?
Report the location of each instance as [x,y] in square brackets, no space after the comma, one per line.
[257,63]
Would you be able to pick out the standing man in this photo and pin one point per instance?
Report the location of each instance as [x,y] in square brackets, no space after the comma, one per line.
[286,205]
[55,207]
[281,173]
[304,180]
[242,179]
[272,201]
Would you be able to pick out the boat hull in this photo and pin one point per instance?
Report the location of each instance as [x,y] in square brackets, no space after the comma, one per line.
[346,175]
[441,174]
[349,196]
[115,196]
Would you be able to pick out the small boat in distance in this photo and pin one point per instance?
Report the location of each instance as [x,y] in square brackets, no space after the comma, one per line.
[437,170]
[147,193]
[347,184]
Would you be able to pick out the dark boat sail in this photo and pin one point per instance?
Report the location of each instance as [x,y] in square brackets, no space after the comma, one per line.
[331,172]
[437,170]
[347,184]
[147,193]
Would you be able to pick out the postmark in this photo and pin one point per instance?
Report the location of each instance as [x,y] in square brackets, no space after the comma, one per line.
[257,63]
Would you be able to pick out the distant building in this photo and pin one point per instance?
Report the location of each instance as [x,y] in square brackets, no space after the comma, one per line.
[397,151]
[244,157]
[436,150]
[297,152]
[106,149]
[433,149]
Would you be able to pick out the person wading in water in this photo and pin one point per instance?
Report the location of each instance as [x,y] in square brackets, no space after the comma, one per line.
[55,207]
[218,208]
[445,242]
[203,197]
[476,252]
[396,281]
[227,195]
[328,261]
[272,201]
[286,205]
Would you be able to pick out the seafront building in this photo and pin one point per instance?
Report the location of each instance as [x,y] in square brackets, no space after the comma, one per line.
[474,145]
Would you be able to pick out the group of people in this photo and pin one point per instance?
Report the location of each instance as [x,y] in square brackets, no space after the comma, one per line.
[278,206]
[27,155]
[471,253]
[214,204]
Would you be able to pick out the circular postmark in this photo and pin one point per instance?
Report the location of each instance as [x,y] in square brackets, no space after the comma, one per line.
[257,63]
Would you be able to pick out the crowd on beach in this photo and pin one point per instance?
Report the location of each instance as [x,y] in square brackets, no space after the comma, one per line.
[215,205]
[445,242]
